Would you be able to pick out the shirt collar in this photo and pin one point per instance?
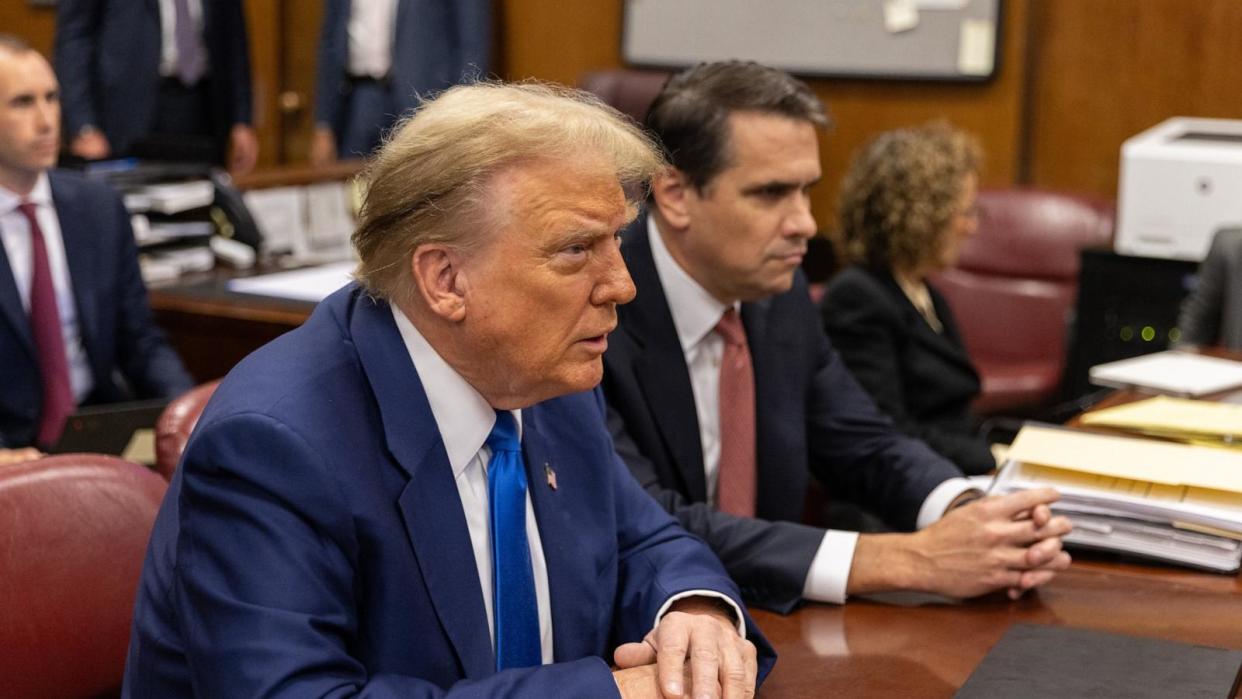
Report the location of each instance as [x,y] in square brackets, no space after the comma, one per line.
[695,311]
[41,195]
[462,415]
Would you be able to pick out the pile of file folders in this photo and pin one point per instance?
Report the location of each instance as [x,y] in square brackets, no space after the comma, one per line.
[1174,493]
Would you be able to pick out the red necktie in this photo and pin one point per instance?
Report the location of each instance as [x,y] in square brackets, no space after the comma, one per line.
[49,341]
[735,485]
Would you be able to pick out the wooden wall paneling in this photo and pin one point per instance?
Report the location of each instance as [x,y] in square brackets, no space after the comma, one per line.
[36,25]
[301,23]
[266,32]
[1104,70]
[560,41]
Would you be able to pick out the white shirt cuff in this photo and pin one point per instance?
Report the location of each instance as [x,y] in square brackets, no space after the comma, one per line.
[737,611]
[830,569]
[939,499]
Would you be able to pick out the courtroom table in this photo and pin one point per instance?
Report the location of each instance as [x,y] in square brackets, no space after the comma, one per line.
[868,648]
[213,328]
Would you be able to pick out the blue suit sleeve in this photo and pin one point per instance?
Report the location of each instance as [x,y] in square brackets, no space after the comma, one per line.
[73,56]
[331,56]
[235,60]
[472,21]
[143,354]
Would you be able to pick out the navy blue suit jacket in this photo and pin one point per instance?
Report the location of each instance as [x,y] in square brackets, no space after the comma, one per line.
[437,43]
[312,542]
[812,418]
[115,321]
[107,57]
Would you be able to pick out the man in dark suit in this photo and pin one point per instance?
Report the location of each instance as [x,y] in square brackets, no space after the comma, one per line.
[377,57]
[156,76]
[414,493]
[73,308]
[724,391]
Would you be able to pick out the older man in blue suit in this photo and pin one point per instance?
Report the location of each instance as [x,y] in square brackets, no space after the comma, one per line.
[415,494]
[74,322]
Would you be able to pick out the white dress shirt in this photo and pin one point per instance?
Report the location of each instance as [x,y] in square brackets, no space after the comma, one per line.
[695,314]
[168,33]
[372,30]
[15,230]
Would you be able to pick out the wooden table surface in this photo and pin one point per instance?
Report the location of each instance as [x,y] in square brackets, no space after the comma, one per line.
[871,648]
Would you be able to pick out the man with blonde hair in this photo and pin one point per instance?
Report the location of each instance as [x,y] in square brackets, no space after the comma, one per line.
[415,494]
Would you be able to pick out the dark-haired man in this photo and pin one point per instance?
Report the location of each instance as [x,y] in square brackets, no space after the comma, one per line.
[726,395]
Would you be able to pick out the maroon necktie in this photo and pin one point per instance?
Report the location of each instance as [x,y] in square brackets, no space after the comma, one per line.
[735,485]
[49,341]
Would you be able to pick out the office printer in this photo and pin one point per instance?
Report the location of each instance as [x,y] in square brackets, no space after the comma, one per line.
[1181,181]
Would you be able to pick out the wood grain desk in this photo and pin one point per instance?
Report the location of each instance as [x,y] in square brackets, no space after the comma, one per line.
[872,649]
[881,649]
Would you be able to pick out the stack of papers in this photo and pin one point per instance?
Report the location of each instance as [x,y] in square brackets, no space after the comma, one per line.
[1174,373]
[310,284]
[1194,421]
[171,198]
[1174,502]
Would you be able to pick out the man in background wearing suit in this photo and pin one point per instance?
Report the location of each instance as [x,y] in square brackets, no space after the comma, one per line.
[725,394]
[376,57]
[1212,314]
[414,493]
[151,76]
[73,308]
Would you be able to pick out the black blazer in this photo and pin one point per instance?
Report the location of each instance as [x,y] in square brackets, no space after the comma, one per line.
[923,379]
[812,417]
[119,335]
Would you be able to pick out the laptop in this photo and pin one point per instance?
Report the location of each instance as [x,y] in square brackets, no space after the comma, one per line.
[107,428]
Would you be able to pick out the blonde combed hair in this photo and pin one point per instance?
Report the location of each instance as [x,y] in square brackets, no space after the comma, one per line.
[428,183]
[901,192]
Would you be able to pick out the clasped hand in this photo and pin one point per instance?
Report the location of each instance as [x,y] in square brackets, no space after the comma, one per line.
[721,664]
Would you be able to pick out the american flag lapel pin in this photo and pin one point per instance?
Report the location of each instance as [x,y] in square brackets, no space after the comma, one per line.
[547,471]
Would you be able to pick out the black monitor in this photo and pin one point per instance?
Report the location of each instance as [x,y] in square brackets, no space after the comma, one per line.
[1127,306]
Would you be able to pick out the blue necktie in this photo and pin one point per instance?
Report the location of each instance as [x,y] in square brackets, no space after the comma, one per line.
[513,583]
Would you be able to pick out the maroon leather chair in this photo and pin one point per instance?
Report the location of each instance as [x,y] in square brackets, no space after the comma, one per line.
[1014,286]
[173,428]
[630,92]
[73,533]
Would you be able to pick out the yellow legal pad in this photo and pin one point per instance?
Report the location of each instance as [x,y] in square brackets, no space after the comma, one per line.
[1198,421]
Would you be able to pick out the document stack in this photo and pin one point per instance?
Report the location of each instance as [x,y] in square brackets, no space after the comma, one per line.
[1180,503]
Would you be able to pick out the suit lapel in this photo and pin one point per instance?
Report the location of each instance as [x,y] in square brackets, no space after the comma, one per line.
[659,364]
[429,504]
[568,578]
[81,257]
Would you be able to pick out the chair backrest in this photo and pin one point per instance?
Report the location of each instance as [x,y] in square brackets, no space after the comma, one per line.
[173,428]
[1014,285]
[73,533]
[630,92]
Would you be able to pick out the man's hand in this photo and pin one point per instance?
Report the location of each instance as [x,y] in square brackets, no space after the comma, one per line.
[243,149]
[722,663]
[1001,542]
[323,147]
[16,456]
[90,144]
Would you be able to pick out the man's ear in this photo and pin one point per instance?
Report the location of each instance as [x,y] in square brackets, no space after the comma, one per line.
[672,190]
[440,281]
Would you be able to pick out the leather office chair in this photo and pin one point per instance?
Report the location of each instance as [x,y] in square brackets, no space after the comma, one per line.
[630,92]
[1013,288]
[173,428]
[74,532]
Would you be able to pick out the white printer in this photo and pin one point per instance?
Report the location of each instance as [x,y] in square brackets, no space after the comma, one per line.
[1181,181]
